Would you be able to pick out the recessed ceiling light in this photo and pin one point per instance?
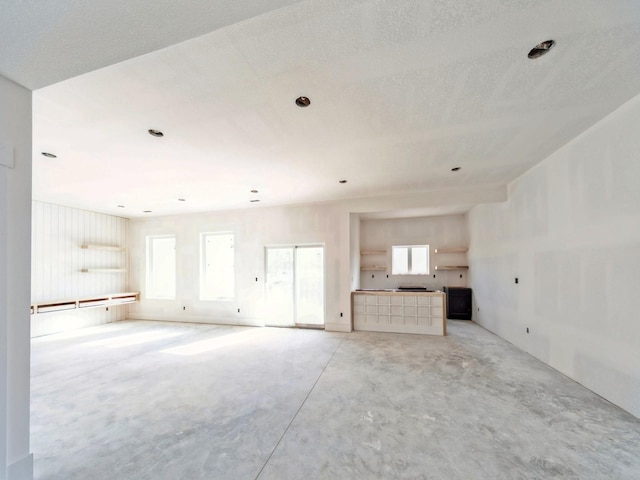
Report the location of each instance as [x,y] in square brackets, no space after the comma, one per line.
[254,191]
[155,133]
[342,181]
[182,199]
[254,201]
[455,169]
[120,206]
[541,49]
[146,211]
[303,101]
[49,155]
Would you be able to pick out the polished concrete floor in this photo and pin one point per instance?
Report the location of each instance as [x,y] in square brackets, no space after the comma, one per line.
[153,400]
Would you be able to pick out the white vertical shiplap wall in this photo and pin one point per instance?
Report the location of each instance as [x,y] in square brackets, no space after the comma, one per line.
[57,261]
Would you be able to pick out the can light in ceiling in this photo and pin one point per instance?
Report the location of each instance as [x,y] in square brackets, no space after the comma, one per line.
[254,201]
[254,191]
[120,206]
[303,102]
[541,49]
[342,181]
[155,133]
[49,155]
[456,169]
[182,199]
[146,211]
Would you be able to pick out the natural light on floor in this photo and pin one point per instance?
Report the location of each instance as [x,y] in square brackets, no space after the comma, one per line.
[228,340]
[83,332]
[134,339]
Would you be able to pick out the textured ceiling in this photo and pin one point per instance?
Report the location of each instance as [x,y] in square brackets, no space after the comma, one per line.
[401,92]
[44,42]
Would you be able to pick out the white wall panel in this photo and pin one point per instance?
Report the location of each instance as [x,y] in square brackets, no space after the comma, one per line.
[570,233]
[15,227]
[58,259]
[253,229]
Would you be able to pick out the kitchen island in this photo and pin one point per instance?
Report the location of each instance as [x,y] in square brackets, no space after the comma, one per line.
[399,311]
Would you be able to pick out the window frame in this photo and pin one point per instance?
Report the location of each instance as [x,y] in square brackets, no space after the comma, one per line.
[410,267]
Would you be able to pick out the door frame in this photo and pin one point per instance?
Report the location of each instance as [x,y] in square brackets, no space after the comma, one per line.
[294,247]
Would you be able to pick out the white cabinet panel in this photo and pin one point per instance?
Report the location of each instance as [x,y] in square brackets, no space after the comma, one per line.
[409,300]
[410,311]
[424,300]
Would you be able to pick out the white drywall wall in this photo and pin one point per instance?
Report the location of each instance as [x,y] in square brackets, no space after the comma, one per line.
[437,232]
[570,233]
[15,225]
[253,229]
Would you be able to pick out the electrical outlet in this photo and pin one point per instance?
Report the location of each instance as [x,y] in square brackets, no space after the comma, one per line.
[341,314]
[527,329]
[184,308]
[238,310]
[516,279]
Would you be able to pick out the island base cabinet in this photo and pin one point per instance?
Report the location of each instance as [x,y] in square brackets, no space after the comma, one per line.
[399,312]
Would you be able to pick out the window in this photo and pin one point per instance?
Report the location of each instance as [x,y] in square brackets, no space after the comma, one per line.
[410,260]
[217,276]
[161,267]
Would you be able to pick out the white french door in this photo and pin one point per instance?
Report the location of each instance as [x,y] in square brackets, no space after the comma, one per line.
[295,286]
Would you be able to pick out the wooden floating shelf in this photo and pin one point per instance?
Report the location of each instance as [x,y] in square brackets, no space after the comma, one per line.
[452,250]
[373,252]
[452,267]
[373,268]
[90,302]
[108,248]
[103,270]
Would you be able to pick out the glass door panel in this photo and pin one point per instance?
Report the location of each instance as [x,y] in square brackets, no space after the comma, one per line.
[309,283]
[280,286]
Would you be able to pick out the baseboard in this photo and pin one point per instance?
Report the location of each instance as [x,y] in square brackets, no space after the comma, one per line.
[22,469]
[338,327]
[242,322]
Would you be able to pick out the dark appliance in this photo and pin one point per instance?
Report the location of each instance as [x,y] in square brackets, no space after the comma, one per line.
[458,303]
[411,288]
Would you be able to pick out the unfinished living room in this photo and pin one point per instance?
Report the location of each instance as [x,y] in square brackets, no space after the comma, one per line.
[316,239]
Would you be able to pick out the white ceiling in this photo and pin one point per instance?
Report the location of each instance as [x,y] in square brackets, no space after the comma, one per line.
[401,92]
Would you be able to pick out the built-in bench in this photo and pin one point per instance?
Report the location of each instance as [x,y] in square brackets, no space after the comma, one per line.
[109,300]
